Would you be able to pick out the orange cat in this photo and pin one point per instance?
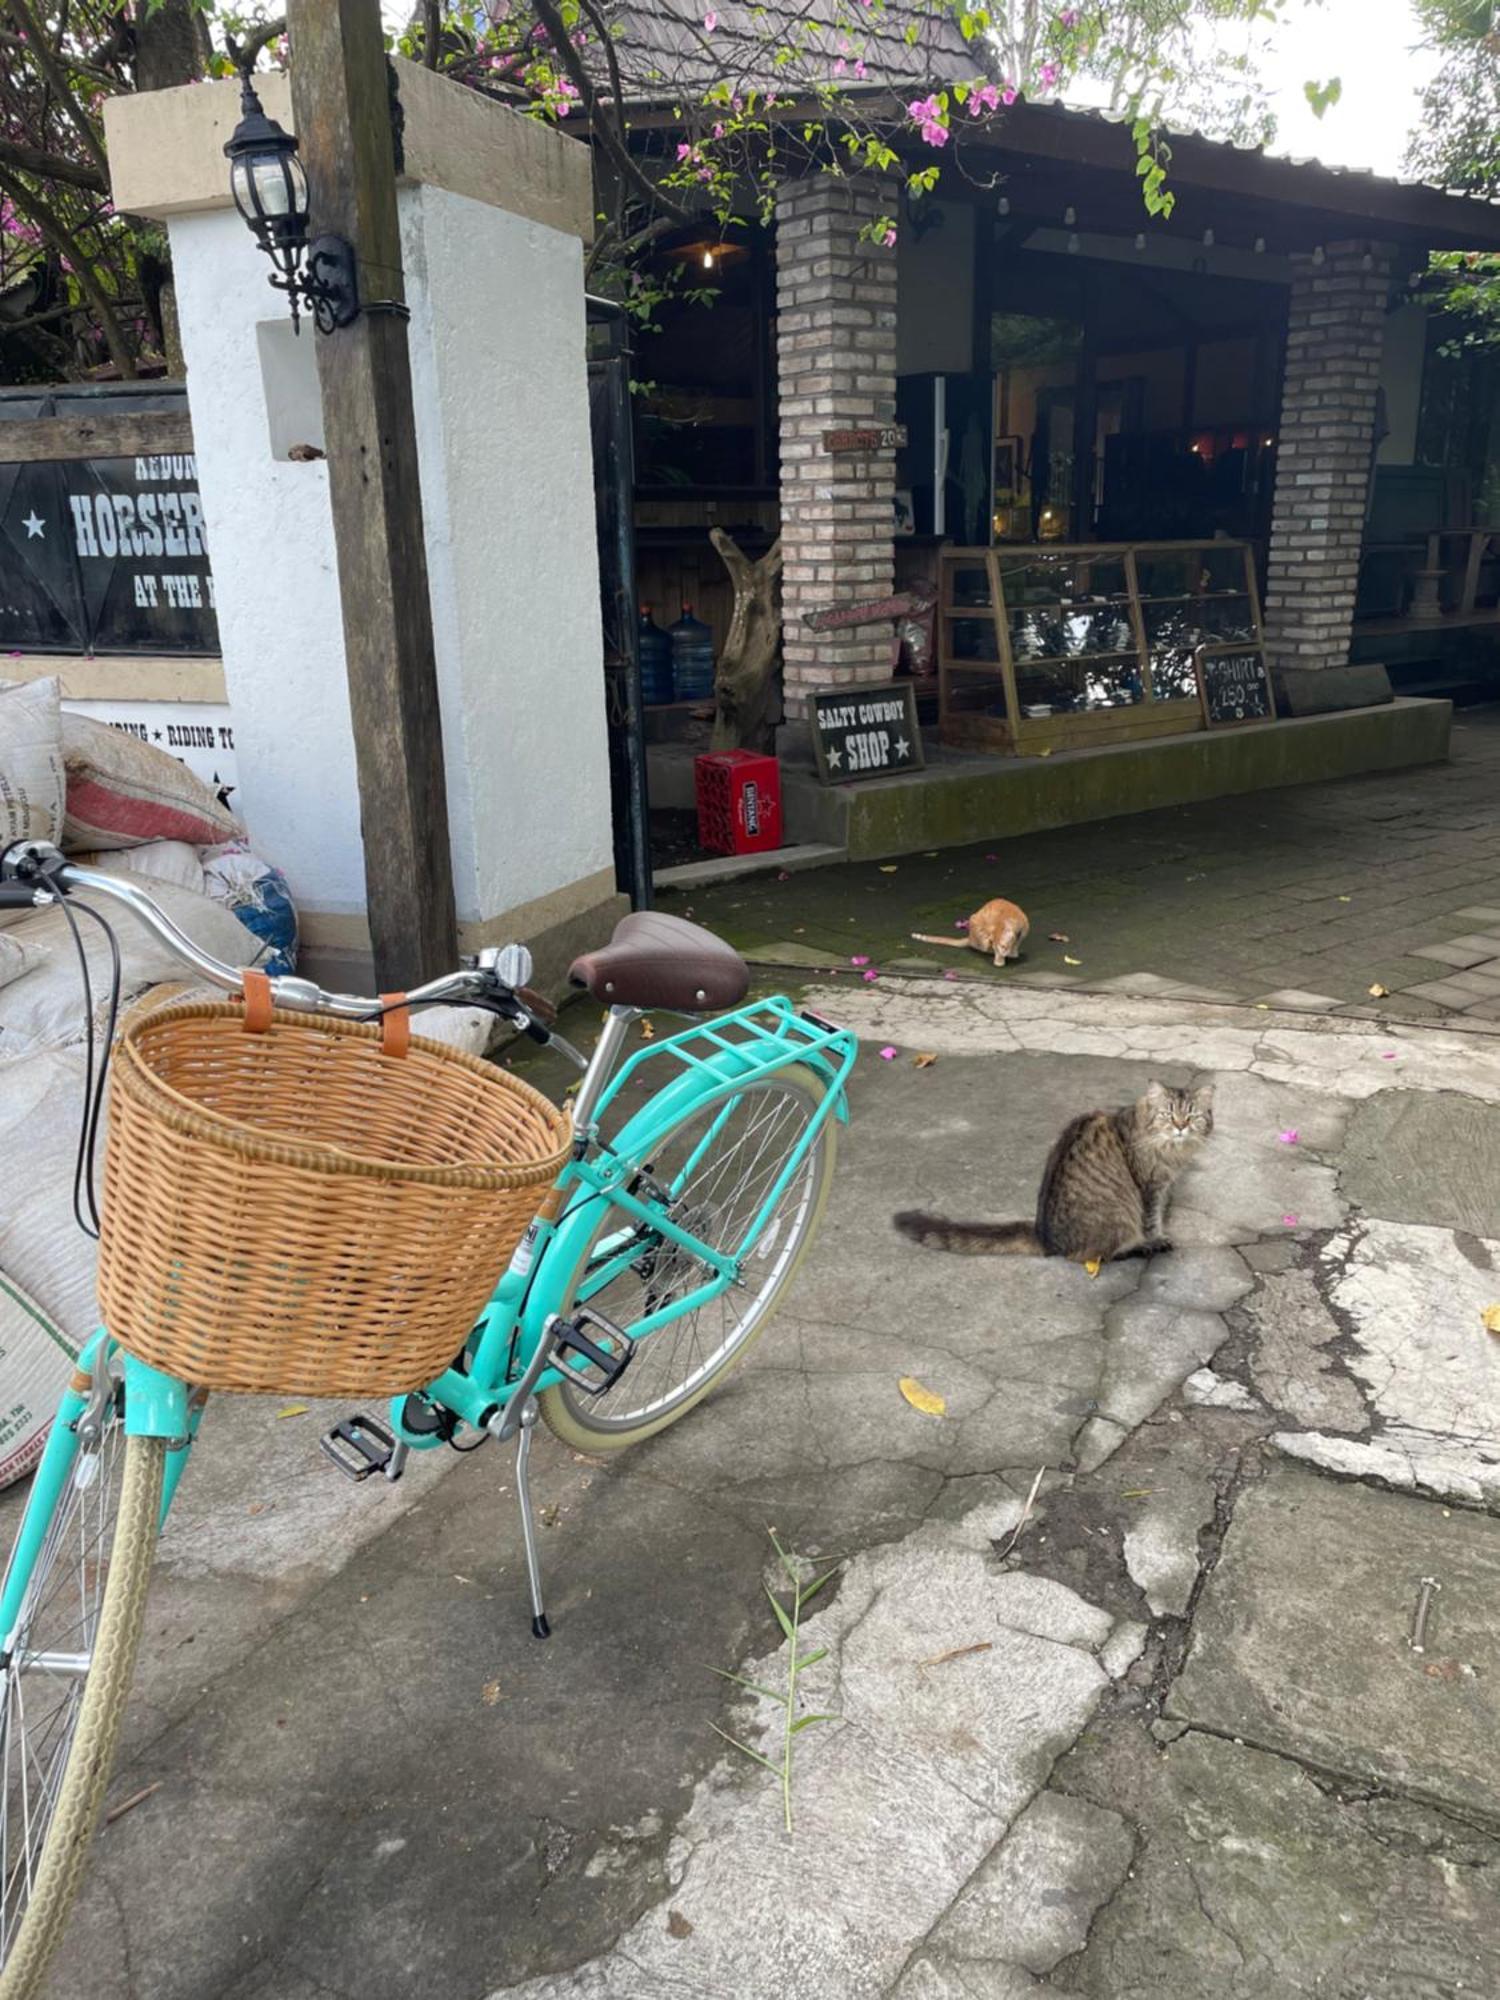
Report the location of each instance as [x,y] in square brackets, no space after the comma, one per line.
[999,930]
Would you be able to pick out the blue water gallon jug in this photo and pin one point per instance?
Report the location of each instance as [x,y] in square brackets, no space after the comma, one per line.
[692,658]
[656,660]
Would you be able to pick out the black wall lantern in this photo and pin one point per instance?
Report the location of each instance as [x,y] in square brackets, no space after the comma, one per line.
[270,191]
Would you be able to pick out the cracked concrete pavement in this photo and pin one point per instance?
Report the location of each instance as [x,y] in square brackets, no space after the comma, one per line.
[1166,1736]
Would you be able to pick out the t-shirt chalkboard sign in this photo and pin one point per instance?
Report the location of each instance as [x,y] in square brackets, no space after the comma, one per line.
[866,732]
[1234,685]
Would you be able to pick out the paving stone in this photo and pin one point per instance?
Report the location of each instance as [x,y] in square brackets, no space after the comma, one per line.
[1484,1010]
[1161,1543]
[1031,1902]
[1298,1001]
[1489,919]
[1252,1880]
[1460,955]
[1425,1156]
[1442,992]
[1270,1666]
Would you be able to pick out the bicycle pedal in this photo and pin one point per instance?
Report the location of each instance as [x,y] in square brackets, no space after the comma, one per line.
[570,1338]
[358,1446]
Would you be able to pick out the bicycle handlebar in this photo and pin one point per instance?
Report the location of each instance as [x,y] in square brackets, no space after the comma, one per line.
[34,874]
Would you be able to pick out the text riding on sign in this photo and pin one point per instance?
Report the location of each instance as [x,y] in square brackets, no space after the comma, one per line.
[866,732]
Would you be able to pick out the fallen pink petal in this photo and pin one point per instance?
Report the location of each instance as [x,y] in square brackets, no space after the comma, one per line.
[862,959]
[888,1055]
[1289,1137]
[1389,1056]
[950,975]
[870,978]
[1289,1221]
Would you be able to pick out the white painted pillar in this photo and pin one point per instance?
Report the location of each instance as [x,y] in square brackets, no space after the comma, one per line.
[494,214]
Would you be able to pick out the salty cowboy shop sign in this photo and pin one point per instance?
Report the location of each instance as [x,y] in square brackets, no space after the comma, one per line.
[105,555]
[868,732]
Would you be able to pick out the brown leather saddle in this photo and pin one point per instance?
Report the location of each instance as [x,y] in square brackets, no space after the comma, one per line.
[654,960]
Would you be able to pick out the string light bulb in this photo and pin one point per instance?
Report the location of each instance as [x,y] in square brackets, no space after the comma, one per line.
[1069,218]
[1004,204]
[1260,246]
[1140,241]
[1208,239]
[1072,246]
[708,260]
[1318,255]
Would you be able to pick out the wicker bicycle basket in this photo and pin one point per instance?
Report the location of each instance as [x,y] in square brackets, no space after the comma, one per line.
[309,1209]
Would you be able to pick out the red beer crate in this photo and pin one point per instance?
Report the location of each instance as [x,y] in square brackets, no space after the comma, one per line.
[739,802]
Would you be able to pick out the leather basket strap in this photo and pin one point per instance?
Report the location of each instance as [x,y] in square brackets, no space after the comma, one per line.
[257,1002]
[395,1025]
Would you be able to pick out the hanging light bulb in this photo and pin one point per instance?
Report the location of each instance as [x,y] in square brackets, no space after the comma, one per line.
[1140,241]
[1318,255]
[1260,246]
[1072,246]
[1004,204]
[708,260]
[1208,239]
[1069,218]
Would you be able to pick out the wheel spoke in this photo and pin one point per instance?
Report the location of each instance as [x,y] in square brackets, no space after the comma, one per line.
[722,1165]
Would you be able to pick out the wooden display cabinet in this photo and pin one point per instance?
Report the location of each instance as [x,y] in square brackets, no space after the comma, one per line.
[1052,646]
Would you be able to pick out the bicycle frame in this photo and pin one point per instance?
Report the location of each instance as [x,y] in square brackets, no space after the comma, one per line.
[714,1061]
[708,1063]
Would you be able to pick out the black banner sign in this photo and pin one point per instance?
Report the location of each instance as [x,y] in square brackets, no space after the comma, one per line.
[866,732]
[1234,685]
[105,555]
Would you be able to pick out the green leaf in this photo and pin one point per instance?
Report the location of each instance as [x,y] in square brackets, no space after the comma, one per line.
[774,1769]
[781,1617]
[811,1659]
[807,1721]
[810,1591]
[1322,95]
[771,1694]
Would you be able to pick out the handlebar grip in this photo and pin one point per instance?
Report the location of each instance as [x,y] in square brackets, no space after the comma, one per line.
[18,895]
[534,1003]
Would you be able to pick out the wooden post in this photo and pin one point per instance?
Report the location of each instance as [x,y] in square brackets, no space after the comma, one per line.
[342,102]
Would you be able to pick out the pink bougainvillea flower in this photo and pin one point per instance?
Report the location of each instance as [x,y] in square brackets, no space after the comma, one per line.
[710,21]
[889,238]
[926,113]
[1289,1137]
[1289,1221]
[840,66]
[984,97]
[950,975]
[1389,1056]
[684,151]
[859,71]
[887,1054]
[1008,93]
[870,978]
[960,923]
[1047,75]
[1068,18]
[862,958]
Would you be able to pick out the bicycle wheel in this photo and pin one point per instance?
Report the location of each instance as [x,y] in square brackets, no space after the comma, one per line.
[722,1161]
[64,1685]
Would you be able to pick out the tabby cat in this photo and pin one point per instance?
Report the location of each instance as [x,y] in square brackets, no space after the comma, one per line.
[1104,1190]
[998,929]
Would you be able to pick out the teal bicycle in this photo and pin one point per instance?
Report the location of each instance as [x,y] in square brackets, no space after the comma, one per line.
[654,1261]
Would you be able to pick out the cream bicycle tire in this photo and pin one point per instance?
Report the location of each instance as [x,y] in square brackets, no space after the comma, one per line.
[96,1735]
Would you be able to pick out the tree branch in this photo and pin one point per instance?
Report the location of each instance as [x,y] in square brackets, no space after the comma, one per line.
[47,63]
[600,117]
[243,54]
[52,167]
[66,243]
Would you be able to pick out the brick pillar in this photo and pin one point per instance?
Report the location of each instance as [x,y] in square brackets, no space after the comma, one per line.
[836,370]
[1335,332]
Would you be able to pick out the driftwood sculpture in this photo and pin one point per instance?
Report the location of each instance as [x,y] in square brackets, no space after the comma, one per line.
[747,693]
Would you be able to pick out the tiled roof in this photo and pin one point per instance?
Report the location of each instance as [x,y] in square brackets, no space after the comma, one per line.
[663,47]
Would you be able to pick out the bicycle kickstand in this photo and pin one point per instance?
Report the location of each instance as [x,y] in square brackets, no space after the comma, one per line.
[539,1627]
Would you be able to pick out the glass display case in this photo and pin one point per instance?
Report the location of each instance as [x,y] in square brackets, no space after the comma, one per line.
[1048,647]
